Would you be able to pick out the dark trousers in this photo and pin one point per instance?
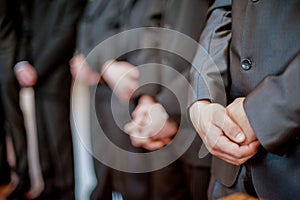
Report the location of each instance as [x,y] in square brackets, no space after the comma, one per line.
[55,146]
[243,185]
[54,142]
[13,115]
[16,128]
[4,167]
[132,186]
[179,181]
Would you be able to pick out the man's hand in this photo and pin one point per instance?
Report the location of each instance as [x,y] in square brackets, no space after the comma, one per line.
[122,78]
[80,69]
[221,135]
[151,128]
[26,75]
[237,113]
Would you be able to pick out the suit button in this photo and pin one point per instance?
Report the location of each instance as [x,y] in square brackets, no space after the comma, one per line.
[246,64]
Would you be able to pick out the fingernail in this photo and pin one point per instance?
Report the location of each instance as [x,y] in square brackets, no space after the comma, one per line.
[240,137]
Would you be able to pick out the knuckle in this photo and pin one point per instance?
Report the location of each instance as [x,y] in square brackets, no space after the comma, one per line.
[239,156]
[241,161]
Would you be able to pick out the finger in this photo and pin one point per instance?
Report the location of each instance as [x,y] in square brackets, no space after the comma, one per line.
[254,145]
[170,129]
[211,136]
[236,111]
[140,111]
[232,152]
[147,131]
[141,121]
[131,128]
[128,128]
[166,130]
[138,142]
[166,140]
[231,129]
[226,124]
[154,145]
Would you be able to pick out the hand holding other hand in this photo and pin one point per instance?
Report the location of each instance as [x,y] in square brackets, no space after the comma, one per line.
[151,127]
[222,136]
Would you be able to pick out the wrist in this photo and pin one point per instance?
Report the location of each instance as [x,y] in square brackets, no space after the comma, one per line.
[105,70]
[146,99]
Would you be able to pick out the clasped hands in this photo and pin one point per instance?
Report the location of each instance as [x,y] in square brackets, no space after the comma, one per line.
[226,132]
[150,127]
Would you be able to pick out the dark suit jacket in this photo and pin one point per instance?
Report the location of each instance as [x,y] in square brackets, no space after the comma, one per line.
[48,41]
[8,37]
[186,17]
[255,46]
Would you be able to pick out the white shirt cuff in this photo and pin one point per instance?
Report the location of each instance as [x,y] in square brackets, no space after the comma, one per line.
[20,66]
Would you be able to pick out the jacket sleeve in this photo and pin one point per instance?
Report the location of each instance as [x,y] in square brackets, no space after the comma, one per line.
[276,103]
[209,72]
[23,21]
[102,29]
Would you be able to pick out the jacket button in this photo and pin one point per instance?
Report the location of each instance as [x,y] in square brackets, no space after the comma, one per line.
[246,64]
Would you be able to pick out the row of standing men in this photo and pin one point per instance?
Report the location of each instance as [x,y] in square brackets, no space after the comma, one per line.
[254,46]
[39,39]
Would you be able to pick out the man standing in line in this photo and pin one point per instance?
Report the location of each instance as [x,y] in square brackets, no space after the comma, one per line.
[254,136]
[101,20]
[188,176]
[47,42]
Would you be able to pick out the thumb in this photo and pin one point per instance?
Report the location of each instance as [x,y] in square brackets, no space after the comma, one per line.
[223,121]
[233,131]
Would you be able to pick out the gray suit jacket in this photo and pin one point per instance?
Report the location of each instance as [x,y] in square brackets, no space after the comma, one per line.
[255,47]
